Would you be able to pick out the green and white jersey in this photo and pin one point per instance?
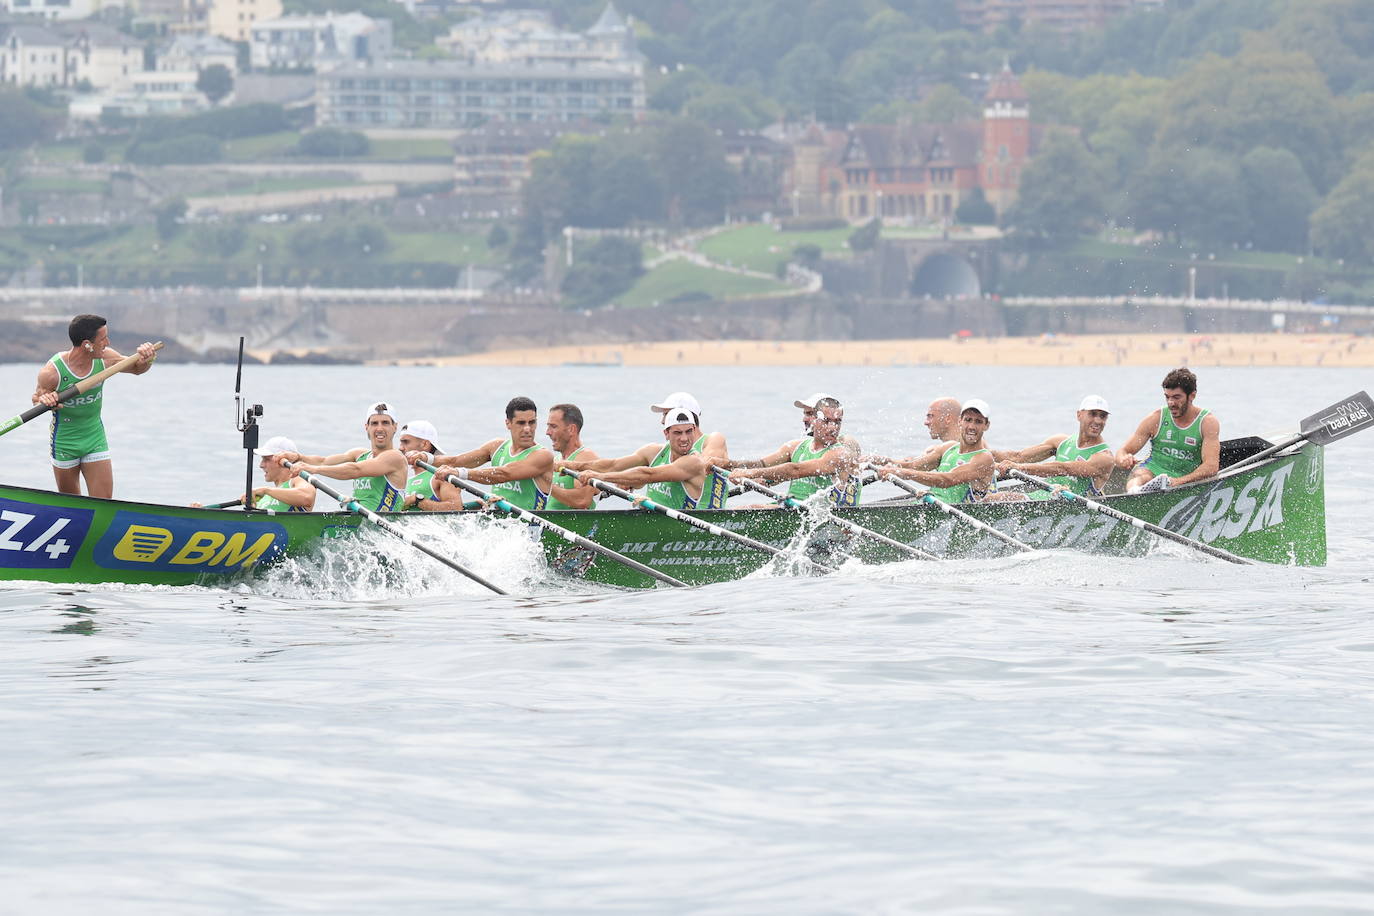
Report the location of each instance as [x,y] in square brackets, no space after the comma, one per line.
[959,493]
[523,494]
[802,489]
[715,490]
[1174,451]
[565,479]
[421,484]
[76,430]
[276,505]
[1068,450]
[375,493]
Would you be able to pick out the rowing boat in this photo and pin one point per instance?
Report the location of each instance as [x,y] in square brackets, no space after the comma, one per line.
[1273,511]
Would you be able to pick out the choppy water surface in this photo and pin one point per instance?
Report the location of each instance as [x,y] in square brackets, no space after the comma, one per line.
[1038,734]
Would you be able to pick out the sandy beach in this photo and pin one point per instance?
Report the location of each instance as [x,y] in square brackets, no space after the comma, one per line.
[1164,350]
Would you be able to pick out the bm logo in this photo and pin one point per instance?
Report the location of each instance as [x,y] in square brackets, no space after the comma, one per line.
[135,541]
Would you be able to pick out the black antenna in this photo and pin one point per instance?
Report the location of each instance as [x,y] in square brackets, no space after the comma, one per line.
[246,420]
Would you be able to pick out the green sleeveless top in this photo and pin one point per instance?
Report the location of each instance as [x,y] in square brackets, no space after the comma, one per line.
[276,505]
[421,484]
[1068,450]
[375,493]
[84,408]
[959,493]
[715,490]
[565,479]
[1175,451]
[523,494]
[846,494]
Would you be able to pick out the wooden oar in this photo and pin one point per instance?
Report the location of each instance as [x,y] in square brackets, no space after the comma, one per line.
[846,524]
[352,505]
[1344,418]
[686,519]
[1131,519]
[569,536]
[957,513]
[66,394]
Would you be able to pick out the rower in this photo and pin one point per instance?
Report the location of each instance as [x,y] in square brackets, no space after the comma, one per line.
[521,470]
[1185,440]
[711,445]
[283,493]
[77,444]
[960,471]
[942,421]
[564,429]
[825,462]
[784,452]
[378,470]
[1080,463]
[677,474]
[415,437]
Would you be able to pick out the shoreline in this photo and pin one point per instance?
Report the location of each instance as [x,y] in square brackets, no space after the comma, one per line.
[1346,351]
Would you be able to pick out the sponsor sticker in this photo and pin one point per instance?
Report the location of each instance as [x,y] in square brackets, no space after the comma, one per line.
[41,537]
[170,544]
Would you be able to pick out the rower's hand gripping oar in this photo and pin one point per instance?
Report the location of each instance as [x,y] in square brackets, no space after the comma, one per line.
[686,519]
[1131,519]
[352,505]
[847,525]
[960,514]
[66,394]
[570,536]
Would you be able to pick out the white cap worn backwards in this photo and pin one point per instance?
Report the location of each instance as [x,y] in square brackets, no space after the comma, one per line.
[1095,402]
[380,407]
[977,404]
[811,402]
[678,400]
[422,429]
[275,446]
[678,416]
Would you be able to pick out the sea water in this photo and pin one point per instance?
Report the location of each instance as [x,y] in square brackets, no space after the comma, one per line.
[364,732]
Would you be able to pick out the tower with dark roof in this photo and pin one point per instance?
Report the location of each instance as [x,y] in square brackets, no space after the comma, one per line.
[1006,139]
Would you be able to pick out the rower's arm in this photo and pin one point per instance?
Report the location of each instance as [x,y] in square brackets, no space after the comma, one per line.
[449,498]
[47,381]
[834,462]
[1211,453]
[535,464]
[473,459]
[146,355]
[389,462]
[300,494]
[1126,458]
[714,448]
[1099,465]
[688,467]
[642,456]
[580,496]
[927,461]
[1030,453]
[977,469]
[783,453]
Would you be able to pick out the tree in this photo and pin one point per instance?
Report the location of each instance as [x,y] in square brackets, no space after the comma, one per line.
[331,143]
[975,210]
[865,238]
[25,123]
[216,82]
[498,236]
[1280,199]
[602,271]
[1062,191]
[1195,195]
[1343,226]
[689,159]
[169,216]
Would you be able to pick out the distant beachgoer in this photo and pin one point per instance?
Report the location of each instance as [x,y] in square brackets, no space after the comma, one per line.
[1185,440]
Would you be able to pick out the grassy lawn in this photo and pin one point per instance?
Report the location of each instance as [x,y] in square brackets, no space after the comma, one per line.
[61,186]
[677,277]
[762,248]
[446,247]
[54,153]
[284,183]
[266,146]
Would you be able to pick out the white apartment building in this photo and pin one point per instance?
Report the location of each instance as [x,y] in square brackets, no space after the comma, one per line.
[233,19]
[529,36]
[308,42]
[55,9]
[196,52]
[101,55]
[31,55]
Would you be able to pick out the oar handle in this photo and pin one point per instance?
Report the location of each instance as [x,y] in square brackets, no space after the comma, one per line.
[352,505]
[946,508]
[567,535]
[1140,523]
[71,391]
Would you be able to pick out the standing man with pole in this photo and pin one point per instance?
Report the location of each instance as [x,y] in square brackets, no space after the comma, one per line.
[77,442]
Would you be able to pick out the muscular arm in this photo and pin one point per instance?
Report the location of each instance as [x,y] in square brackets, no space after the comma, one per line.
[686,469]
[47,382]
[111,356]
[1126,458]
[448,498]
[837,461]
[472,459]
[977,469]
[1038,452]
[781,454]
[714,448]
[300,494]
[1211,453]
[536,464]
[1099,465]
[385,464]
[601,466]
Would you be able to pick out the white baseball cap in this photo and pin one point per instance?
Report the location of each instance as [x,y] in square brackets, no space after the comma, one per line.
[977,404]
[678,400]
[678,416]
[380,407]
[1095,402]
[422,429]
[810,403]
[275,446]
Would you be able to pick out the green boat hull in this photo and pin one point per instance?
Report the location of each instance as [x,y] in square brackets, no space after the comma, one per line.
[1274,512]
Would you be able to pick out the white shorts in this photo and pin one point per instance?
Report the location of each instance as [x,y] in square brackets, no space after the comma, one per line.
[92,458]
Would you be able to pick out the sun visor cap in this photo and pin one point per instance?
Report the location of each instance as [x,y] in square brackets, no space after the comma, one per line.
[1095,402]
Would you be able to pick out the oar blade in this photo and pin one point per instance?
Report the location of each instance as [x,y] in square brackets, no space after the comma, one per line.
[1344,418]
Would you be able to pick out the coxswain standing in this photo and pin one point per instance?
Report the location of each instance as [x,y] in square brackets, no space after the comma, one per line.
[824,462]
[521,470]
[961,472]
[378,470]
[1081,463]
[1185,440]
[77,444]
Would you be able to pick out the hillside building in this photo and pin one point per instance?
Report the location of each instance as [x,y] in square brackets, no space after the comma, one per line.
[233,19]
[530,36]
[67,55]
[311,42]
